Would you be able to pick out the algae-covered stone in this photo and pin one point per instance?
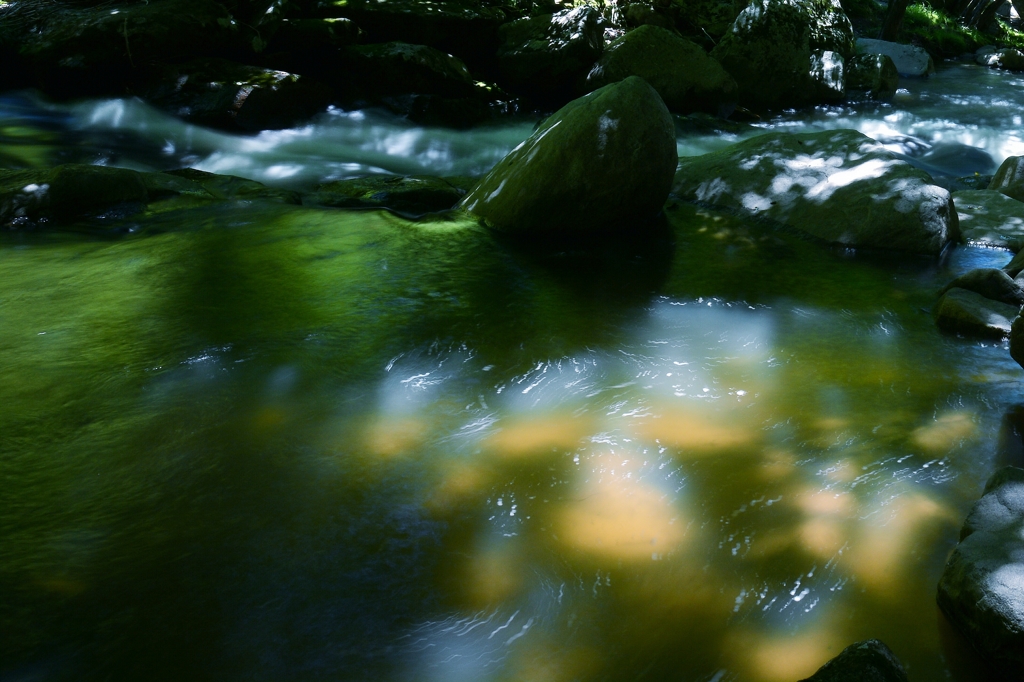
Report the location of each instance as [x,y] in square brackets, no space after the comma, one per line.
[412,194]
[840,186]
[982,586]
[827,76]
[991,218]
[965,312]
[769,48]
[29,198]
[1009,178]
[1008,58]
[545,54]
[685,76]
[233,187]
[874,74]
[867,661]
[224,94]
[602,162]
[910,60]
[990,283]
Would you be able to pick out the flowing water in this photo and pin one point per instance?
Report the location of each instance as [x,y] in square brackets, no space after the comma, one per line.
[251,441]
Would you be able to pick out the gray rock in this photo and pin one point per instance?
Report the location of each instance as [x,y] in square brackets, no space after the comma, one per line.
[549,52]
[840,186]
[874,74]
[1015,266]
[910,60]
[991,218]
[685,76]
[867,661]
[1008,58]
[982,586]
[828,79]
[990,283]
[1009,178]
[965,312]
[601,162]
[1017,340]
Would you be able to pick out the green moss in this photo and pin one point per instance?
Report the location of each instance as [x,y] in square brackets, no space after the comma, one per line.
[939,33]
[1005,36]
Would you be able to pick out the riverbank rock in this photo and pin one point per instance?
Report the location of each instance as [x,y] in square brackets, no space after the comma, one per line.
[1009,178]
[769,51]
[960,311]
[602,162]
[990,283]
[1007,58]
[982,586]
[413,194]
[35,198]
[872,74]
[544,56]
[685,76]
[910,60]
[867,661]
[840,186]
[1017,340]
[991,218]
[707,19]
[223,94]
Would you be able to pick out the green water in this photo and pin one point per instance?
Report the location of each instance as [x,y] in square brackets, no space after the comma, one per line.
[254,441]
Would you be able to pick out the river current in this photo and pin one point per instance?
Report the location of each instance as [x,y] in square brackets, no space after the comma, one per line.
[286,443]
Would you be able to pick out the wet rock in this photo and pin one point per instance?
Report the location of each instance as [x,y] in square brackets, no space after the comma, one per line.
[685,76]
[1007,58]
[827,77]
[1017,340]
[1010,447]
[37,198]
[197,182]
[991,218]
[1015,266]
[982,586]
[223,94]
[413,194]
[602,162]
[641,14]
[840,186]
[910,60]
[990,283]
[312,47]
[769,49]
[708,19]
[873,74]
[960,311]
[947,161]
[1009,178]
[544,56]
[867,661]
[467,29]
[98,51]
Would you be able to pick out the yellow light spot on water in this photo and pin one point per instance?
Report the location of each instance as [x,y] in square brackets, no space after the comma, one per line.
[545,661]
[460,484]
[495,575]
[536,437]
[394,436]
[822,537]
[785,658]
[777,464]
[817,502]
[945,432]
[269,418]
[697,433]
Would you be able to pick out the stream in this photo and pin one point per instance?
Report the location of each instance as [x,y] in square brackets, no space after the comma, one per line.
[256,441]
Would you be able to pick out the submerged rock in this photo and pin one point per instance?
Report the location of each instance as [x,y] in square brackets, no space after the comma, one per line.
[545,55]
[412,194]
[685,76]
[867,661]
[601,162]
[224,94]
[991,218]
[873,74]
[982,586]
[840,186]
[960,311]
[990,283]
[910,60]
[197,182]
[1009,178]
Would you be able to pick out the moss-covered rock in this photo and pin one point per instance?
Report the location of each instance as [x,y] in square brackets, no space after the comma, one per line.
[1008,59]
[218,186]
[36,198]
[545,55]
[991,283]
[910,60]
[413,194]
[872,74]
[224,94]
[707,18]
[990,218]
[312,47]
[840,186]
[827,77]
[685,76]
[602,162]
[961,311]
[1009,178]
[868,661]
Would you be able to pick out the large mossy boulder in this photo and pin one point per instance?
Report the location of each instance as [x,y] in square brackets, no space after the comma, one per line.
[544,56]
[685,76]
[98,50]
[603,162]
[982,586]
[991,218]
[41,198]
[769,49]
[961,311]
[872,74]
[867,661]
[839,185]
[1009,178]
[223,94]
